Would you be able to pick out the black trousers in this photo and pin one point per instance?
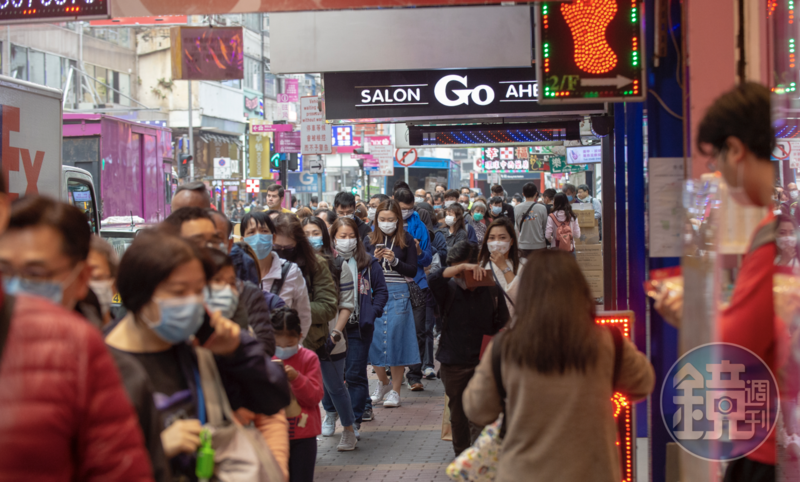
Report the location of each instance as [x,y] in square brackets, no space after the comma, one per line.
[746,470]
[423,323]
[455,379]
[302,459]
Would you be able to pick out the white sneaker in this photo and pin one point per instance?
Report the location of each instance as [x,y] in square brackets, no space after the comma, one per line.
[348,442]
[329,424]
[392,400]
[380,392]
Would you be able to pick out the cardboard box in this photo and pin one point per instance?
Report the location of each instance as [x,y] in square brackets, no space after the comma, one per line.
[595,280]
[589,259]
[588,236]
[586,218]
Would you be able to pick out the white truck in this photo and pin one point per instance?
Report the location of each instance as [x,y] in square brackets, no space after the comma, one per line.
[31,131]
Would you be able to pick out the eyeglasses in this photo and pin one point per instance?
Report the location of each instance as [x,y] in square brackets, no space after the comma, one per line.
[33,273]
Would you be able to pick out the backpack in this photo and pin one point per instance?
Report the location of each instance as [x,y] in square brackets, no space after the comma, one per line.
[278,284]
[563,233]
[522,219]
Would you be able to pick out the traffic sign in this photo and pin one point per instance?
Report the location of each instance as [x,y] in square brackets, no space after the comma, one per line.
[315,164]
[406,157]
[253,185]
[782,151]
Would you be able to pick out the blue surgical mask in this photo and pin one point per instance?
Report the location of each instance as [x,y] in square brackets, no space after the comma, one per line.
[286,353]
[261,244]
[316,242]
[225,300]
[180,318]
[497,210]
[51,290]
[569,198]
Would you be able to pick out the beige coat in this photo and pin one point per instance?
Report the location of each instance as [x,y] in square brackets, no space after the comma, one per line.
[560,427]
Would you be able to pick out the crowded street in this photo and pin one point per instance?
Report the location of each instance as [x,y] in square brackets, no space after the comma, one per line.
[399,240]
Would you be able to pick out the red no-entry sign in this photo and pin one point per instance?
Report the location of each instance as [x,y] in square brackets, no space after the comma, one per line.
[406,157]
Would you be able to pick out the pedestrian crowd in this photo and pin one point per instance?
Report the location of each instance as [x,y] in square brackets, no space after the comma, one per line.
[212,342]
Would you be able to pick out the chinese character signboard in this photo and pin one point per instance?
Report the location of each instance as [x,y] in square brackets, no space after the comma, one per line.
[719,401]
[590,51]
[205,53]
[381,148]
[315,134]
[504,159]
[584,154]
[259,156]
[259,126]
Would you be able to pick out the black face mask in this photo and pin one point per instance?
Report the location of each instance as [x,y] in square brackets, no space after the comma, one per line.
[289,254]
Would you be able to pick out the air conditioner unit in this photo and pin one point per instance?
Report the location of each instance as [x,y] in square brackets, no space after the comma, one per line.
[308,83]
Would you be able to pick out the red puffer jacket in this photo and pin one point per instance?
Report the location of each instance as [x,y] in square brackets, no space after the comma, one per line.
[64,415]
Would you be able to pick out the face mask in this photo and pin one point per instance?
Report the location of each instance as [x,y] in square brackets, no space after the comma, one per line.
[447,204]
[464,205]
[793,194]
[288,254]
[286,353]
[497,210]
[569,198]
[224,300]
[477,216]
[407,213]
[104,291]
[316,242]
[261,244]
[388,228]
[514,203]
[438,206]
[501,247]
[418,199]
[461,282]
[787,242]
[51,290]
[450,220]
[371,213]
[180,319]
[346,247]
[348,216]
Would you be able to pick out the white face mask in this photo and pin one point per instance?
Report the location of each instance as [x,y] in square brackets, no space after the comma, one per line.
[786,242]
[388,228]
[501,247]
[346,247]
[371,213]
[447,204]
[793,194]
[419,199]
[465,206]
[407,213]
[450,220]
[104,291]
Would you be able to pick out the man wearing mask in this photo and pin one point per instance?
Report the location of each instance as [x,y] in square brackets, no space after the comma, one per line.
[548,197]
[571,192]
[507,210]
[196,225]
[530,221]
[104,261]
[424,215]
[345,205]
[314,203]
[451,197]
[737,131]
[374,202]
[585,197]
[438,202]
[441,189]
[421,204]
[54,428]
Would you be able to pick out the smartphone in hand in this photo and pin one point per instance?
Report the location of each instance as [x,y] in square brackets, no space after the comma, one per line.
[205,331]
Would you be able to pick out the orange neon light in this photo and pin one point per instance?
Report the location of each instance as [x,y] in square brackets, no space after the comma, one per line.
[588,21]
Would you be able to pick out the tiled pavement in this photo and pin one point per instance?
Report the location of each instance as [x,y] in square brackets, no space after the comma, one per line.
[402,443]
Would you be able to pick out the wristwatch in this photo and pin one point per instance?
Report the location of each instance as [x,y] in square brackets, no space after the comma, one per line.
[507,270]
[337,335]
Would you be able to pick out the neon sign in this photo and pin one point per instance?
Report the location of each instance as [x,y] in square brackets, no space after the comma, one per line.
[19,11]
[589,51]
[623,411]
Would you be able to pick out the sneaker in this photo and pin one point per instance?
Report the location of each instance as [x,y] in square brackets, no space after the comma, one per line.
[392,399]
[415,386]
[429,373]
[368,416]
[348,442]
[380,392]
[329,424]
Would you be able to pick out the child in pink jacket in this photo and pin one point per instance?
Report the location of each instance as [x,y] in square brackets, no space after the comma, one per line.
[303,371]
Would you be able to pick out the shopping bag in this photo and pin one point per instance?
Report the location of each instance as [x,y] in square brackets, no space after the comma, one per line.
[447,429]
[241,454]
[479,462]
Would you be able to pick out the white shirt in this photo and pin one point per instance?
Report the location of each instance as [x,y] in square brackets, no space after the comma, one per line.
[498,272]
[293,292]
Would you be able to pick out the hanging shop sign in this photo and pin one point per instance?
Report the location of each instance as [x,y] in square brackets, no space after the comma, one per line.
[258,158]
[584,154]
[206,53]
[20,11]
[260,127]
[558,165]
[315,133]
[590,51]
[504,159]
[287,142]
[409,95]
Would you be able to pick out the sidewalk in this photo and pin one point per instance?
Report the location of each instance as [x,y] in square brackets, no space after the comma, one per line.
[402,443]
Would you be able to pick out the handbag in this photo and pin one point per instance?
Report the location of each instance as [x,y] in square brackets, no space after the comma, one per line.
[416,294]
[240,453]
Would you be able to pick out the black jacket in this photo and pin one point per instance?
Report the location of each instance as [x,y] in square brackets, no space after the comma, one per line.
[251,299]
[425,214]
[363,228]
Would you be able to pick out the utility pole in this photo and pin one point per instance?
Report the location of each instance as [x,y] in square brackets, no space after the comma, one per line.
[191,135]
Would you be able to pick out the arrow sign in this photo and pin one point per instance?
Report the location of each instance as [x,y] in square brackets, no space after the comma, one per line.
[316,166]
[620,82]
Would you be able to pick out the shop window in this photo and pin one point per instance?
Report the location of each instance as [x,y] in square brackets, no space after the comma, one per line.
[19,62]
[52,71]
[36,66]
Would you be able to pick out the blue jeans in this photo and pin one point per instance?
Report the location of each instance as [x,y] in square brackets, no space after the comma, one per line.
[336,398]
[355,370]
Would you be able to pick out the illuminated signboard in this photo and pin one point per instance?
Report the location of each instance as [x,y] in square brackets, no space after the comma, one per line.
[590,51]
[206,53]
[623,411]
[18,11]
[504,160]
[584,154]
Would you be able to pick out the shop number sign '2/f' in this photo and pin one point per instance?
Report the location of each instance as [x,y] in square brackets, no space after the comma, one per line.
[590,51]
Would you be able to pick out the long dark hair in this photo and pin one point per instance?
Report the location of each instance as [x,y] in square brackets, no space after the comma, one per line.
[458,211]
[260,217]
[554,329]
[363,259]
[377,236]
[561,203]
[326,238]
[513,252]
[287,224]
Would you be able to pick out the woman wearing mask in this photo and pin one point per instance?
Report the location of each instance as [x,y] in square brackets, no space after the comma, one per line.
[468,314]
[456,229]
[479,221]
[317,233]
[555,347]
[363,276]
[278,276]
[292,245]
[787,243]
[395,342]
[499,253]
[162,281]
[562,214]
[104,262]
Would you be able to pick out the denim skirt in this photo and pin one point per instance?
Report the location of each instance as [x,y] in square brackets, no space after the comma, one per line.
[394,343]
